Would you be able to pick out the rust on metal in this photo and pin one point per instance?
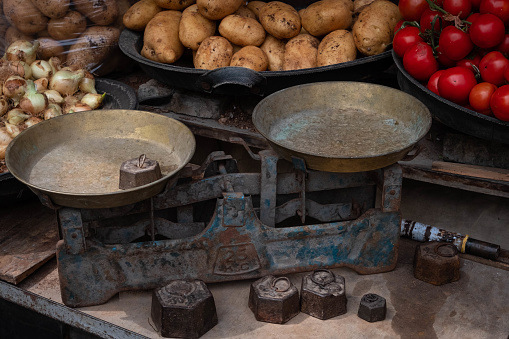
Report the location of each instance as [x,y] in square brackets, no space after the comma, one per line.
[372,308]
[323,294]
[273,300]
[183,309]
[437,263]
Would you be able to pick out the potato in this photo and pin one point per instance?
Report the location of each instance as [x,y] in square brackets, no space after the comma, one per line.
[359,5]
[12,34]
[24,16]
[52,8]
[93,47]
[194,27]
[374,28]
[250,57]
[325,16]
[214,52]
[100,12]
[242,31]
[218,9]
[300,52]
[336,47]
[161,41]
[280,20]
[274,49]
[68,27]
[177,5]
[255,7]
[139,14]
[49,48]
[246,12]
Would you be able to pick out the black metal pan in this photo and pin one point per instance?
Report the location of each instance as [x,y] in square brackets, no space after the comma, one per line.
[241,81]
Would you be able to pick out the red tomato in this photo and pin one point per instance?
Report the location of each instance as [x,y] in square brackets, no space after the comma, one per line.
[492,68]
[499,103]
[411,10]
[506,75]
[469,63]
[503,47]
[433,82]
[499,8]
[443,60]
[473,17]
[487,31]
[419,61]
[479,97]
[475,5]
[398,25]
[405,38]
[455,43]
[427,18]
[455,84]
[462,8]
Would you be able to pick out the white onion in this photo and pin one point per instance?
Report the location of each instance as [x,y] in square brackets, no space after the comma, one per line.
[66,82]
[14,87]
[53,110]
[16,116]
[93,100]
[22,50]
[4,105]
[55,63]
[41,85]
[21,68]
[41,69]
[5,139]
[33,102]
[53,96]
[78,107]
[12,130]
[87,84]
[31,121]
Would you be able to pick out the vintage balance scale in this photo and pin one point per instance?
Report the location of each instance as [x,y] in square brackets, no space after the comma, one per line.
[303,207]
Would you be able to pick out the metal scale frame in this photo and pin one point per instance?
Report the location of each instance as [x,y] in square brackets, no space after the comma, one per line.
[251,232]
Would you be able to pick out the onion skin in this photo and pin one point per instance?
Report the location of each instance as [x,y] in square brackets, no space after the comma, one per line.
[12,130]
[53,110]
[16,116]
[66,82]
[22,50]
[4,105]
[31,121]
[78,107]
[54,97]
[5,139]
[41,85]
[14,87]
[21,68]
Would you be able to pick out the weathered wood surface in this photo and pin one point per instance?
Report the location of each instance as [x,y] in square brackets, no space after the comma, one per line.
[484,172]
[28,237]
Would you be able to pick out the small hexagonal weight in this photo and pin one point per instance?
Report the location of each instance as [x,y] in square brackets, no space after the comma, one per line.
[138,172]
[274,300]
[372,308]
[183,309]
[323,294]
[436,263]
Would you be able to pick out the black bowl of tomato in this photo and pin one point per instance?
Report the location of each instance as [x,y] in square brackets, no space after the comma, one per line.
[450,114]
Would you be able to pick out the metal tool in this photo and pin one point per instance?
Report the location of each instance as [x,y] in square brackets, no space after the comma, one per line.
[216,224]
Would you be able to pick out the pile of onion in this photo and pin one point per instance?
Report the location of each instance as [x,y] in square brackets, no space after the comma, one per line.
[33,90]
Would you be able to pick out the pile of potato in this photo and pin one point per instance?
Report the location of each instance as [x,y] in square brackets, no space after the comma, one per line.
[84,33]
[260,35]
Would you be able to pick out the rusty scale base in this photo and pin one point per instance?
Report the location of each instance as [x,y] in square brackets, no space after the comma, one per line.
[251,233]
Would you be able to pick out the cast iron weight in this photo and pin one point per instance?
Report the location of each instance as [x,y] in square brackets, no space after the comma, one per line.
[183,309]
[437,263]
[372,308]
[323,294]
[274,300]
[138,172]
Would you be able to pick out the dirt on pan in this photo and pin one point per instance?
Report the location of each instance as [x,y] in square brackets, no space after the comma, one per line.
[236,116]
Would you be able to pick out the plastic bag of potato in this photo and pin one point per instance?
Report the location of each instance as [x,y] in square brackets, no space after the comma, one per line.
[82,33]
[271,35]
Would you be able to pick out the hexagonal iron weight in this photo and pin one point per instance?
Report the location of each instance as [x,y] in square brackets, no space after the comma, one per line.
[274,300]
[437,263]
[138,172]
[372,308]
[183,309]
[323,294]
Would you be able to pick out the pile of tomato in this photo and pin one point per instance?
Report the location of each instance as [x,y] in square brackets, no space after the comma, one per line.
[459,50]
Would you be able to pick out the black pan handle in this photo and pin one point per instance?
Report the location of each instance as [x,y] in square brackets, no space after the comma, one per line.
[241,79]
